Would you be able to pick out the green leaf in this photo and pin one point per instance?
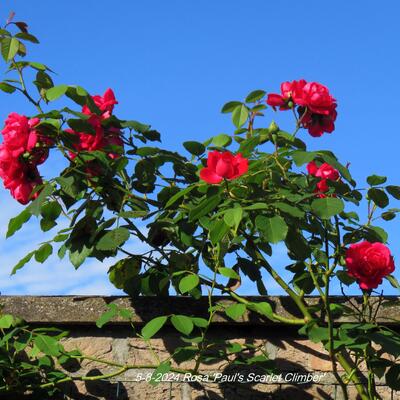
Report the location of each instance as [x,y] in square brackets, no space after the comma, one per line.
[162,369]
[22,342]
[77,257]
[27,36]
[318,334]
[47,224]
[327,207]
[255,96]
[36,206]
[233,216]
[257,206]
[153,326]
[301,157]
[200,322]
[48,345]
[248,145]
[16,223]
[51,210]
[9,48]
[392,377]
[218,230]
[43,253]
[235,311]
[381,234]
[344,277]
[205,207]
[379,197]
[6,320]
[108,315]
[81,125]
[229,273]
[187,283]
[7,88]
[273,229]
[393,281]
[394,191]
[388,215]
[22,262]
[222,140]
[240,115]
[288,209]
[136,126]
[147,151]
[194,148]
[264,308]
[230,106]
[125,313]
[123,271]
[55,92]
[375,180]
[178,195]
[182,323]
[67,185]
[113,239]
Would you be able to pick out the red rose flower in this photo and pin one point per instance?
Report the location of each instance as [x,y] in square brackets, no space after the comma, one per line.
[105,103]
[289,91]
[317,124]
[19,178]
[369,263]
[325,172]
[315,97]
[312,168]
[322,187]
[102,137]
[223,166]
[315,105]
[23,148]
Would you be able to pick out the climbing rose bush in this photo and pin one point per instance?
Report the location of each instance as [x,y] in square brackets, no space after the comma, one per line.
[208,216]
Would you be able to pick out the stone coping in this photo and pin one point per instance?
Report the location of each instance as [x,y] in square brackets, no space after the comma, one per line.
[85,310]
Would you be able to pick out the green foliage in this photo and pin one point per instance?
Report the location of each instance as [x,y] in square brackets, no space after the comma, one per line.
[327,207]
[182,323]
[153,326]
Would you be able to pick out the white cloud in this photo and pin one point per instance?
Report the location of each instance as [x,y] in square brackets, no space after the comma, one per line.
[55,276]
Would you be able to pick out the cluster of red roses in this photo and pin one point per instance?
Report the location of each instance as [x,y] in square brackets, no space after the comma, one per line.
[102,138]
[325,172]
[367,262]
[315,105]
[22,150]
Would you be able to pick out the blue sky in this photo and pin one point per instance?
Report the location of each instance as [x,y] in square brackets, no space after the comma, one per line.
[175,63]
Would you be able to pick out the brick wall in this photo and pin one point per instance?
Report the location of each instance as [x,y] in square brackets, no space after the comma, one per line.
[296,358]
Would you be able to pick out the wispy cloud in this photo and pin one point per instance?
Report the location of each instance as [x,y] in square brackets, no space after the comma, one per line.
[55,276]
